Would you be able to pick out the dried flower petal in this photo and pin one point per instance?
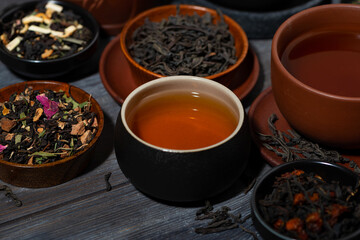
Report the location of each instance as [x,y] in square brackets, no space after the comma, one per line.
[2,147]
[5,111]
[78,129]
[50,107]
[86,137]
[7,124]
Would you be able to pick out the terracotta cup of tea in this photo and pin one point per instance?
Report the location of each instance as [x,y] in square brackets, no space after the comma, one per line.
[182,138]
[315,73]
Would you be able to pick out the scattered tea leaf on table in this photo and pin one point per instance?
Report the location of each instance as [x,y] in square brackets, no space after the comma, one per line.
[291,146]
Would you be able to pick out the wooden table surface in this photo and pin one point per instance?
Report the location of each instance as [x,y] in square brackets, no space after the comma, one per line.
[83,209]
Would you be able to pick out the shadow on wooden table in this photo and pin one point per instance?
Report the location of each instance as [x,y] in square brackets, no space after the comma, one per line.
[105,145]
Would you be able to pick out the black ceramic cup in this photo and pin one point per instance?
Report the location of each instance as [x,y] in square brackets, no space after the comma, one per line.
[182,175]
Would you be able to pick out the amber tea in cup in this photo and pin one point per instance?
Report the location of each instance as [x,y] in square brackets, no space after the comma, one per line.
[182,114]
[182,120]
[327,60]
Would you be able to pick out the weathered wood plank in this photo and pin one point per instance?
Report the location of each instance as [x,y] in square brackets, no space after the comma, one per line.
[123,213]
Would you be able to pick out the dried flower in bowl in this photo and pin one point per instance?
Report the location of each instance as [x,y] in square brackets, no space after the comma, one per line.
[44,126]
[51,149]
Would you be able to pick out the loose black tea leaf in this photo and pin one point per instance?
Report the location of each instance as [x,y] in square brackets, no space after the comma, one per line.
[9,193]
[221,220]
[41,127]
[47,32]
[107,178]
[184,45]
[302,205]
[290,146]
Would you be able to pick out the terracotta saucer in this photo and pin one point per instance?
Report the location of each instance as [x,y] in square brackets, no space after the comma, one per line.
[117,79]
[259,112]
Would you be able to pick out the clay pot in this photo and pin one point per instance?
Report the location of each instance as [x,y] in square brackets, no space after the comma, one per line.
[112,14]
[324,117]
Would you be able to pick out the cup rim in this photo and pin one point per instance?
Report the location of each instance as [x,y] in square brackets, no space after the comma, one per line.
[183,78]
[287,24]
[124,34]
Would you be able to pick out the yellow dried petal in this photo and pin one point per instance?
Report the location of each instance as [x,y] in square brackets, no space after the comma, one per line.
[5,111]
[38,114]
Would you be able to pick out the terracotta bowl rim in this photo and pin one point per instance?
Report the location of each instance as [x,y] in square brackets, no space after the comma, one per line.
[68,5]
[67,87]
[164,8]
[287,24]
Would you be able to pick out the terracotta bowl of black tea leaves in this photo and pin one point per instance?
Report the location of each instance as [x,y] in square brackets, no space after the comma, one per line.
[182,138]
[315,73]
[184,40]
[47,39]
[307,199]
[49,131]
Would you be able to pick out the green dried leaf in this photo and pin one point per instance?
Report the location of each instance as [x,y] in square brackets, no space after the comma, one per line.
[43,154]
[39,160]
[18,138]
[42,133]
[81,105]
[74,40]
[71,100]
[23,115]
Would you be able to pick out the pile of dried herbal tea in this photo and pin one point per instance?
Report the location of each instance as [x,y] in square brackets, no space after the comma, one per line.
[303,205]
[41,127]
[184,45]
[48,32]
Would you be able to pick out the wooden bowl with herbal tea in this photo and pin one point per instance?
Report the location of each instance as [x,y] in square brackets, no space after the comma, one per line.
[315,74]
[307,200]
[47,39]
[48,132]
[184,40]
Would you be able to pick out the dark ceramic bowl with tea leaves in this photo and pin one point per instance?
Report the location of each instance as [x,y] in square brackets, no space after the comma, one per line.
[307,199]
[52,144]
[38,46]
[194,41]
[182,138]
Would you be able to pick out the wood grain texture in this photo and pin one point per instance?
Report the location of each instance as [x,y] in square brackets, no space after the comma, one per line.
[83,209]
